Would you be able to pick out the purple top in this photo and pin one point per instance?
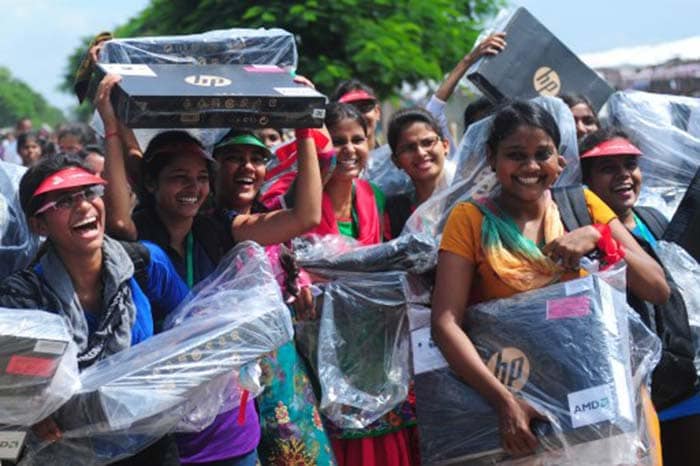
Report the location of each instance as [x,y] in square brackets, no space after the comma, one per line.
[223,439]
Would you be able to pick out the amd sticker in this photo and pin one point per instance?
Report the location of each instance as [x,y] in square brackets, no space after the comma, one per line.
[591,405]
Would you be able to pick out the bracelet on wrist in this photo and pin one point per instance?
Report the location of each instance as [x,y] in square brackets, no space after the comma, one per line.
[303,133]
[111,134]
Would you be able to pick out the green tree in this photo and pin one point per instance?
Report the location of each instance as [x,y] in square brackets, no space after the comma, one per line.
[17,100]
[382,42]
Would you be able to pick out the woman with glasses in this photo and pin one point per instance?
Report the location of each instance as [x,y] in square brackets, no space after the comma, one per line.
[419,147]
[89,278]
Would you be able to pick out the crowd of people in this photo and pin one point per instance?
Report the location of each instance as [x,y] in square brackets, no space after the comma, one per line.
[96,200]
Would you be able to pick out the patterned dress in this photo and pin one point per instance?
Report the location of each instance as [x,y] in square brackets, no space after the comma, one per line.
[292,430]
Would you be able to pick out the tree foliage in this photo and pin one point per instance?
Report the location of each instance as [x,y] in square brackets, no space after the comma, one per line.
[18,100]
[382,42]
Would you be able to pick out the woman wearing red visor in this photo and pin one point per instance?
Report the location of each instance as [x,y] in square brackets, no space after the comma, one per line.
[610,167]
[89,278]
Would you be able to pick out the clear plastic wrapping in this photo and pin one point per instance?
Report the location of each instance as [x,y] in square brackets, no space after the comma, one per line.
[474,177]
[685,272]
[381,171]
[358,349]
[40,365]
[17,243]
[335,255]
[663,126]
[233,46]
[575,351]
[179,379]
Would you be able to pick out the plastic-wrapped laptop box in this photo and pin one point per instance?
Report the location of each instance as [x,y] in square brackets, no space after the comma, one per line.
[178,380]
[664,127]
[211,96]
[39,365]
[565,349]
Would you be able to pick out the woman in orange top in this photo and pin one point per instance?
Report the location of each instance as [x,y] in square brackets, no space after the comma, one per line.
[515,241]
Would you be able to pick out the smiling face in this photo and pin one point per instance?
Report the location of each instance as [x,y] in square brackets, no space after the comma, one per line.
[241,174]
[420,152]
[616,180]
[526,164]
[350,142]
[182,186]
[77,230]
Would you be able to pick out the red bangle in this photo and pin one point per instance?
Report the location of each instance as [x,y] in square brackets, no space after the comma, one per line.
[111,134]
[303,133]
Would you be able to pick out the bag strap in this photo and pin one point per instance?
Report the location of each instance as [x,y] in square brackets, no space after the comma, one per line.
[572,206]
[141,257]
[653,219]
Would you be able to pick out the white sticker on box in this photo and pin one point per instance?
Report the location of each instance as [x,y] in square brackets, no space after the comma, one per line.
[426,354]
[577,286]
[591,406]
[318,113]
[299,91]
[125,69]
[11,442]
[623,381]
[50,347]
[608,308]
[418,316]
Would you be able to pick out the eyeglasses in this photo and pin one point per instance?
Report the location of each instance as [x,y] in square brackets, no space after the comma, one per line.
[69,201]
[426,144]
[364,106]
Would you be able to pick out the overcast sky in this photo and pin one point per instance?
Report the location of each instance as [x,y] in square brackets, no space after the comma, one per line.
[38,35]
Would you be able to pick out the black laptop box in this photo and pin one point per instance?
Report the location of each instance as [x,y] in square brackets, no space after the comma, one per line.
[535,63]
[211,96]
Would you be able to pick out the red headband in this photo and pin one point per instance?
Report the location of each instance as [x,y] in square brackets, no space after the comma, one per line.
[355,96]
[614,146]
[70,177]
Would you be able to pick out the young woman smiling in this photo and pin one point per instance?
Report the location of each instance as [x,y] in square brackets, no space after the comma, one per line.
[176,182]
[418,147]
[350,206]
[610,168]
[89,278]
[514,241]
[177,177]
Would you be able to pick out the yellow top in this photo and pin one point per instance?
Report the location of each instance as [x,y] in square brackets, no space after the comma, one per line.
[462,236]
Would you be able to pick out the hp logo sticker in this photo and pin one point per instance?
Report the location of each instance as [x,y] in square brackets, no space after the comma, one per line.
[205,80]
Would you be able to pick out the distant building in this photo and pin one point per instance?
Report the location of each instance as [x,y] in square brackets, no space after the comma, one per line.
[668,68]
